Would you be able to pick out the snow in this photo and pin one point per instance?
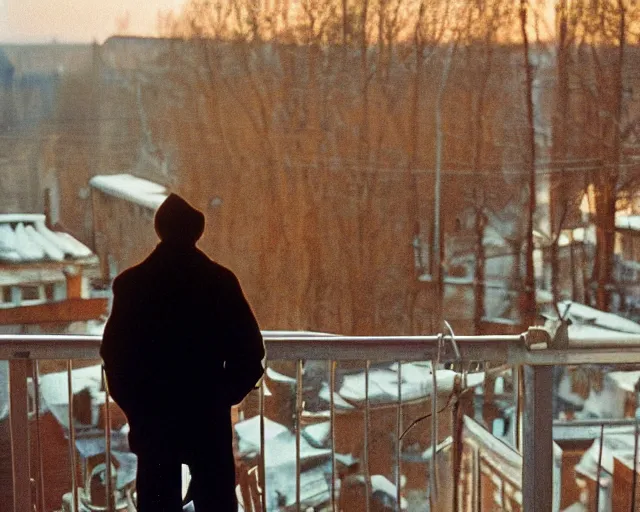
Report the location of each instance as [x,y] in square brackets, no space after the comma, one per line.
[8,252]
[590,334]
[625,381]
[279,377]
[55,393]
[581,314]
[585,234]
[52,251]
[544,296]
[280,460]
[625,221]
[317,434]
[492,237]
[428,453]
[27,248]
[130,188]
[609,403]
[26,238]
[248,432]
[566,393]
[383,383]
[618,444]
[338,401]
[380,483]
[72,246]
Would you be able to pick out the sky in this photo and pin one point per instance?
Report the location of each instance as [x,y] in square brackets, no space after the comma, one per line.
[78,20]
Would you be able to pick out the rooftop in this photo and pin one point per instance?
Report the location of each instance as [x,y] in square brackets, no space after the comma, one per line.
[131,188]
[630,222]
[25,238]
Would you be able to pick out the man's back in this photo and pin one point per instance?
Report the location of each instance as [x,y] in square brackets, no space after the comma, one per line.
[181,342]
[180,347]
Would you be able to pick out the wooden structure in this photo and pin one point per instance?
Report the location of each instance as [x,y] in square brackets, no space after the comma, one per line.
[123,204]
[44,275]
[624,496]
[491,472]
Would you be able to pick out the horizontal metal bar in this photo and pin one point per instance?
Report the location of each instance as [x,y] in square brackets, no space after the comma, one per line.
[505,349]
[596,422]
[407,348]
[591,342]
[376,348]
[26,346]
[587,432]
[624,353]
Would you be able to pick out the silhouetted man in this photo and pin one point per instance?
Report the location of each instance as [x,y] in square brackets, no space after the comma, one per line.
[180,347]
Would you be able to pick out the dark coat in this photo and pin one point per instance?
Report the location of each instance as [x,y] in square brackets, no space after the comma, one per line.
[180,347]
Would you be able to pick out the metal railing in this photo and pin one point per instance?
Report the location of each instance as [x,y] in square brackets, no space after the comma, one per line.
[528,351]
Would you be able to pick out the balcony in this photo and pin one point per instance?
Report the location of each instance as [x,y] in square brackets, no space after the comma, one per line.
[373,428]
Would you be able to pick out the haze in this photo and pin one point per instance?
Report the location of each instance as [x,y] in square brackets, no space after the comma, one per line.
[78,20]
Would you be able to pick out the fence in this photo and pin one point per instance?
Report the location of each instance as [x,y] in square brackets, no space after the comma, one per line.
[532,436]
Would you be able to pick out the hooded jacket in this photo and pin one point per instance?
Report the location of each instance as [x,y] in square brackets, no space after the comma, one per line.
[181,344]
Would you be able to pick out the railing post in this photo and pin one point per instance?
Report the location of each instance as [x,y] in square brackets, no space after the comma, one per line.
[19,425]
[537,439]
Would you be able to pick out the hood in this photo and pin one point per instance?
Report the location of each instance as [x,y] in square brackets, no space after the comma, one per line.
[178,221]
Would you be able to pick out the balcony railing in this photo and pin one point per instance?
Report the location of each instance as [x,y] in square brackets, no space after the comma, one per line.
[453,462]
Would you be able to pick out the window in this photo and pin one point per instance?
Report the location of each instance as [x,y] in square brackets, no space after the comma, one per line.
[6,295]
[49,291]
[30,293]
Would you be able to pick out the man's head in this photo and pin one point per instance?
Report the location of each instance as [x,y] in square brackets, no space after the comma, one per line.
[176,221]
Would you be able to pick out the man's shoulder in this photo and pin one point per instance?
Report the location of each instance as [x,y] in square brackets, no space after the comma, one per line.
[218,270]
[127,278]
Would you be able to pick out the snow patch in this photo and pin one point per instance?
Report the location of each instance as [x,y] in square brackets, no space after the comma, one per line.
[130,188]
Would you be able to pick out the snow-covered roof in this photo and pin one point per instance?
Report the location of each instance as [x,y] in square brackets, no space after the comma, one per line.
[24,238]
[381,484]
[618,443]
[54,392]
[248,431]
[417,383]
[585,316]
[624,221]
[625,381]
[590,334]
[130,188]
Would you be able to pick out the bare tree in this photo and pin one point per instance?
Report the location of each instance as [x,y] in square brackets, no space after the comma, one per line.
[529,302]
[602,50]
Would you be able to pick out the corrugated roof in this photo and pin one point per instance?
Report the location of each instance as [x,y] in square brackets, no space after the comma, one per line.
[130,188]
[24,238]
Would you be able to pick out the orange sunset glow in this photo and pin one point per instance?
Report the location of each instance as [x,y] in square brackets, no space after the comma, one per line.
[78,20]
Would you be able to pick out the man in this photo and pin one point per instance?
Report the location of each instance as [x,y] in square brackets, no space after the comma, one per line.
[180,347]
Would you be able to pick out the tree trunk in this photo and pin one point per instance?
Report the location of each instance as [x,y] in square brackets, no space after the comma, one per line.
[557,189]
[606,197]
[479,281]
[438,232]
[529,302]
